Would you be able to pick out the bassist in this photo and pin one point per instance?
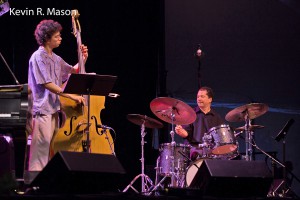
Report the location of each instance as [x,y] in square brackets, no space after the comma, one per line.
[46,73]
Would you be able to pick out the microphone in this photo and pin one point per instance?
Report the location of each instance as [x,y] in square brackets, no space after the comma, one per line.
[104,127]
[199,52]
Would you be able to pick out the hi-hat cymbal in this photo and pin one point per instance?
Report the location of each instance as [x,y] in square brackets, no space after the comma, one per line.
[248,111]
[172,111]
[143,119]
[251,127]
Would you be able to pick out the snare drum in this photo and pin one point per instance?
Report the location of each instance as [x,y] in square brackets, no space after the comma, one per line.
[223,139]
[181,155]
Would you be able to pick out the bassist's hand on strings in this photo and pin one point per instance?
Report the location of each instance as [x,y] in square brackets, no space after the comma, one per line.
[85,55]
[78,99]
[84,51]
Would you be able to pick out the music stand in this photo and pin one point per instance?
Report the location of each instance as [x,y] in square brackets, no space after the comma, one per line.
[281,136]
[89,84]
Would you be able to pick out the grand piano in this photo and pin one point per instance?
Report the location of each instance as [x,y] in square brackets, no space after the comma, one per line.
[14,122]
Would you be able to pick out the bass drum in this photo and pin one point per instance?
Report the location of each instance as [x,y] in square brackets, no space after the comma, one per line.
[192,171]
[194,167]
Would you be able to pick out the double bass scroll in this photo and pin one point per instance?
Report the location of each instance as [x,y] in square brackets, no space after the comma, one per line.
[80,123]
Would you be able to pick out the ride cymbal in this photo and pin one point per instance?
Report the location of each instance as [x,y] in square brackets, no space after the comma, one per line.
[172,111]
[143,119]
[248,111]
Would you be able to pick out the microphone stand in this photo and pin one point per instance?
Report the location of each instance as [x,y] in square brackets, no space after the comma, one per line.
[104,130]
[282,135]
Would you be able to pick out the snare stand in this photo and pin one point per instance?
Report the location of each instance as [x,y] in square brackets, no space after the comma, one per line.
[145,178]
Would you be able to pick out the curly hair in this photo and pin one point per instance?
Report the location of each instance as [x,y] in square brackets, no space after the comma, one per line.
[45,29]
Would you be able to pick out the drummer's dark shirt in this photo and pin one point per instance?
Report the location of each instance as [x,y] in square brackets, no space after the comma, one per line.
[202,124]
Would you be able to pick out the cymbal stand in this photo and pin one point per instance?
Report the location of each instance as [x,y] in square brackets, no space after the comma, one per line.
[248,139]
[144,177]
[173,145]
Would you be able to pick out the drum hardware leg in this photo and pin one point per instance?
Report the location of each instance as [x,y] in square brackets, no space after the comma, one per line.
[157,170]
[144,177]
[173,144]
[146,180]
[159,184]
[180,176]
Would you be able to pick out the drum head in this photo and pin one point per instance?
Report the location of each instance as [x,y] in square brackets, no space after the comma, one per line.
[218,127]
[192,171]
[225,149]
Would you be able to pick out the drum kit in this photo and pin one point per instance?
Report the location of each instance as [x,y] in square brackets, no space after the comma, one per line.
[174,168]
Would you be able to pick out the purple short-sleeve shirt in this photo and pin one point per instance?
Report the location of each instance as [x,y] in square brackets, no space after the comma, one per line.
[45,69]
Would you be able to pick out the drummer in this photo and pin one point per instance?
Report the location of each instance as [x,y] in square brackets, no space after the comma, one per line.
[206,119]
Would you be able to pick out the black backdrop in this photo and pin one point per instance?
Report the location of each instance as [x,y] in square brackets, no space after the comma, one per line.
[251,54]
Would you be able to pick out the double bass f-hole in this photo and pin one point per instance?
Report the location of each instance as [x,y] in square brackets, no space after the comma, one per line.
[71,122]
[96,125]
[78,127]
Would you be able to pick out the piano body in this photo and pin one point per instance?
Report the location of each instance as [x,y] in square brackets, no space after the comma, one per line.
[13,106]
[13,122]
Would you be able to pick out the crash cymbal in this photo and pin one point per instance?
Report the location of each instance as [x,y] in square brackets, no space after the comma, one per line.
[148,121]
[251,127]
[250,111]
[165,107]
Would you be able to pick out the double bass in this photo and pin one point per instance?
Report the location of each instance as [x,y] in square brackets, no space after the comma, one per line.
[78,133]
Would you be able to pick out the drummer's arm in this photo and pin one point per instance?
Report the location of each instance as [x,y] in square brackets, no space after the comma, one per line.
[181,131]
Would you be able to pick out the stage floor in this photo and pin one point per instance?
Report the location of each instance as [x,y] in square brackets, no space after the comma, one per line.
[171,193]
[128,196]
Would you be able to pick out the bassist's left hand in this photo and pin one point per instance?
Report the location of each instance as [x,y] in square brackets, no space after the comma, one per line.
[84,51]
